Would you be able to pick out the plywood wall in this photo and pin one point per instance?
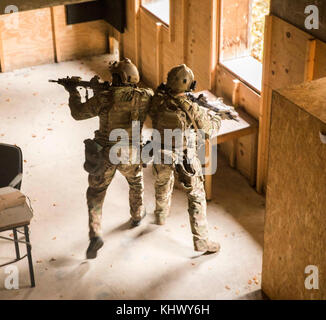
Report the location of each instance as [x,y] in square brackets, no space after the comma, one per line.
[78,40]
[293,12]
[191,38]
[148,49]
[201,48]
[295,222]
[291,57]
[26,39]
[156,48]
[42,36]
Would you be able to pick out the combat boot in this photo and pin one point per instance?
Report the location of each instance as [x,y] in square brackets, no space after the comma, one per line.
[136,223]
[96,244]
[160,220]
[207,246]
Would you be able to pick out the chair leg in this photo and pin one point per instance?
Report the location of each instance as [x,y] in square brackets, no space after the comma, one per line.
[29,255]
[16,243]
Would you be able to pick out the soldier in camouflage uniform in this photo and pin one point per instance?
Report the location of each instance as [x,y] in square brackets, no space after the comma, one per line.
[116,108]
[170,109]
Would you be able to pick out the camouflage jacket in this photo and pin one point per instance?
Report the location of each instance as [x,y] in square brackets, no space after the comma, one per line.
[116,108]
[178,112]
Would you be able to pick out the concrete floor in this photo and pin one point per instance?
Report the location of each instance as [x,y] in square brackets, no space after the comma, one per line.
[149,262]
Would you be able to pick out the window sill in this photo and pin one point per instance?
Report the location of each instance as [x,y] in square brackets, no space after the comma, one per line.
[246,69]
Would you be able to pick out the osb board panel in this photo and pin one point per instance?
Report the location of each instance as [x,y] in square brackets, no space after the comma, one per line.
[295,221]
[294,13]
[79,40]
[288,55]
[234,27]
[310,96]
[26,39]
[320,60]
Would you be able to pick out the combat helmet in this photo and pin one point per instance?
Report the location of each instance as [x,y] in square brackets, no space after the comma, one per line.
[125,71]
[181,79]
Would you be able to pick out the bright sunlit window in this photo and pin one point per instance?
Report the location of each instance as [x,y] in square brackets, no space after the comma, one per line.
[242,38]
[159,8]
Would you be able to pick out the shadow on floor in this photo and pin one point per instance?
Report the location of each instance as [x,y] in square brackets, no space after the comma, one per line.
[170,277]
[256,295]
[244,204]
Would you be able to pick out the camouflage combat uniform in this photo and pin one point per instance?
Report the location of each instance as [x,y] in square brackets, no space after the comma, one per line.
[116,109]
[175,112]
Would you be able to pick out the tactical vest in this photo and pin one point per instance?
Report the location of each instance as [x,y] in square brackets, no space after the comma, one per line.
[120,107]
[170,114]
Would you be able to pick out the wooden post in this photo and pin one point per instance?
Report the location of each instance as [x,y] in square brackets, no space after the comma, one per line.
[214,41]
[136,8]
[235,93]
[185,4]
[172,21]
[235,102]
[253,169]
[264,108]
[310,62]
[233,154]
[208,170]
[2,63]
[159,62]
[54,35]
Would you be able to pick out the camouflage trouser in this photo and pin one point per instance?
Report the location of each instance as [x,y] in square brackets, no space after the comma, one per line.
[97,190]
[194,187]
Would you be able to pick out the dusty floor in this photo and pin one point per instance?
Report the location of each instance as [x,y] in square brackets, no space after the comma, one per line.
[149,262]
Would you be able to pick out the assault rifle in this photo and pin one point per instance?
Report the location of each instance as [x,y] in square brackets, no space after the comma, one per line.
[94,84]
[218,106]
